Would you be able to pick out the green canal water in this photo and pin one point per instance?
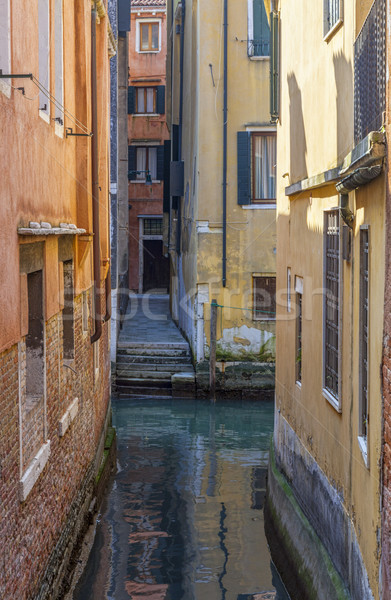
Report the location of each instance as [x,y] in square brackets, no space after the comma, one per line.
[183,519]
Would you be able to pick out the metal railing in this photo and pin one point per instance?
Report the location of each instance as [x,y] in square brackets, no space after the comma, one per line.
[370,72]
[259,47]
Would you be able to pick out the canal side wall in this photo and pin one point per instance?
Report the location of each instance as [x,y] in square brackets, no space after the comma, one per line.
[238,379]
[50,455]
[312,538]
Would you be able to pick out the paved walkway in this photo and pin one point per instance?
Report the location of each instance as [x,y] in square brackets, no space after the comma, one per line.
[148,320]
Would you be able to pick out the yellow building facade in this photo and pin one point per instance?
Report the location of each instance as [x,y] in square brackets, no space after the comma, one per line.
[222,234]
[330,281]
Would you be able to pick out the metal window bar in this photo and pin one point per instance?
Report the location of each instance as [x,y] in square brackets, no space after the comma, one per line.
[370,73]
[259,47]
[333,13]
[299,327]
[264,297]
[364,305]
[332,308]
[153,226]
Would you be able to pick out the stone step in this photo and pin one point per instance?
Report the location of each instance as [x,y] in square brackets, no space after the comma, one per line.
[174,368]
[142,392]
[143,375]
[141,351]
[152,359]
[134,382]
[129,345]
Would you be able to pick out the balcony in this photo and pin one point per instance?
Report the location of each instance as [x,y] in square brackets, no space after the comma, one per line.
[370,73]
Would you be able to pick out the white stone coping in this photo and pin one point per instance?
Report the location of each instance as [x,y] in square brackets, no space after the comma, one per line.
[34,470]
[44,228]
[68,417]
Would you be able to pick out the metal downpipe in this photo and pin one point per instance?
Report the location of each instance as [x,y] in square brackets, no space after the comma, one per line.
[225,117]
[95,185]
[181,62]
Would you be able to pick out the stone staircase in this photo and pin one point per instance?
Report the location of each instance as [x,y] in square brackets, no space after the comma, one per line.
[154,369]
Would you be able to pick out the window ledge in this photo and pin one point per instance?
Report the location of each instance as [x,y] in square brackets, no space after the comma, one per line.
[148,51]
[333,30]
[332,400]
[363,444]
[298,384]
[154,114]
[5,88]
[34,470]
[44,116]
[143,181]
[59,130]
[264,318]
[68,417]
[259,206]
[259,58]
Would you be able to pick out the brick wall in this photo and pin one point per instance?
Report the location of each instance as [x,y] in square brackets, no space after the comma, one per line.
[33,532]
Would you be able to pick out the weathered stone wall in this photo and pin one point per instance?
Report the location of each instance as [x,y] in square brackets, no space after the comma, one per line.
[241,379]
[315,533]
[39,533]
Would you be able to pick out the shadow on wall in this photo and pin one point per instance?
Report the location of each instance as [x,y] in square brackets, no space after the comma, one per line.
[298,144]
[343,73]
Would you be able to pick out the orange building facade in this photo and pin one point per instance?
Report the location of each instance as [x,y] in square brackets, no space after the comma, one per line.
[147,132]
[54,246]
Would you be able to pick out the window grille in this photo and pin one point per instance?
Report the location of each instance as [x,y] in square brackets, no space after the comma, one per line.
[153,226]
[299,328]
[332,304]
[264,297]
[332,14]
[364,321]
[370,73]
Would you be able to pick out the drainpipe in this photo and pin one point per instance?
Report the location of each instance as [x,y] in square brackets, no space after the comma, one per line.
[225,117]
[95,184]
[346,213]
[181,60]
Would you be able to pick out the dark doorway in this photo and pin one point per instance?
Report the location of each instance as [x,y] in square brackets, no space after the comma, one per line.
[156,272]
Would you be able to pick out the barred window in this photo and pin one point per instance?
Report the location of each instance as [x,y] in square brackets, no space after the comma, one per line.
[364,322]
[332,14]
[299,329]
[264,289]
[153,226]
[331,313]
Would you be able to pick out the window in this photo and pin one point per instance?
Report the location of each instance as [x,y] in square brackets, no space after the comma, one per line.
[35,362]
[146,158]
[148,36]
[288,289]
[256,167]
[264,290]
[364,326]
[153,226]
[299,326]
[263,150]
[146,161]
[146,100]
[258,29]
[331,310]
[5,44]
[59,60]
[43,54]
[332,15]
[85,312]
[67,313]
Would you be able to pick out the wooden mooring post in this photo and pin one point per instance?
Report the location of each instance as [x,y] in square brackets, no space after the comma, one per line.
[212,351]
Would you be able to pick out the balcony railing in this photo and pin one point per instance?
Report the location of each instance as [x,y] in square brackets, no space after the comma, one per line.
[259,47]
[370,73]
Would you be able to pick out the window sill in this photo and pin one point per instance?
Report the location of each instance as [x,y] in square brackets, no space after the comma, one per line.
[59,130]
[363,444]
[264,318]
[148,51]
[259,206]
[44,116]
[67,418]
[154,114]
[333,30]
[5,89]
[33,471]
[298,384]
[143,181]
[332,400]
[259,58]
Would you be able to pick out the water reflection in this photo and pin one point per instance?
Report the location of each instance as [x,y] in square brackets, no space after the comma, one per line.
[184,519]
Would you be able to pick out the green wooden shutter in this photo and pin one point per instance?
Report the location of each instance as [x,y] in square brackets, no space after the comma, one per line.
[160,162]
[275,67]
[261,29]
[166,184]
[131,161]
[131,100]
[244,167]
[161,99]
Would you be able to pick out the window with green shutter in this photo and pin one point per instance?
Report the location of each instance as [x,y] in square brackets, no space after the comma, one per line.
[258,28]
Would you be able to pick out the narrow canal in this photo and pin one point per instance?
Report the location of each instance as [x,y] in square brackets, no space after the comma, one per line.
[184,516]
